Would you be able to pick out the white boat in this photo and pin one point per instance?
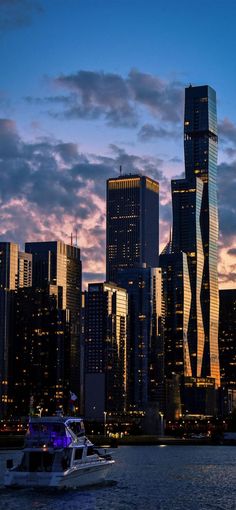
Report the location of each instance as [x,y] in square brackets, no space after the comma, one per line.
[58,454]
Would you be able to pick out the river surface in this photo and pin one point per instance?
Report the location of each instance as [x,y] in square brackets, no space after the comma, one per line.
[144,478]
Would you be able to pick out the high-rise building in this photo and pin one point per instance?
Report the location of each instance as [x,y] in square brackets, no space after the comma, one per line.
[195,227]
[24,269]
[132,223]
[227,338]
[8,266]
[8,286]
[40,359]
[145,335]
[195,233]
[177,299]
[227,349]
[106,310]
[59,264]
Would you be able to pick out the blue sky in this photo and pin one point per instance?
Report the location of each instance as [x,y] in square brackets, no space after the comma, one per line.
[87,85]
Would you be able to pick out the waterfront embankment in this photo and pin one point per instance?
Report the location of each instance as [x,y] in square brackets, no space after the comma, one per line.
[8,441]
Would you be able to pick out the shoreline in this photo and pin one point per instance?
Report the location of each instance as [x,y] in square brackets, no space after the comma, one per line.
[16,441]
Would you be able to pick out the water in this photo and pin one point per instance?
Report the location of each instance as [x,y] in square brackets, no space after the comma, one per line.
[144,478]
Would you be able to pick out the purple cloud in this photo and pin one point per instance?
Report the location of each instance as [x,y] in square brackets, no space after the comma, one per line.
[15,14]
[116,99]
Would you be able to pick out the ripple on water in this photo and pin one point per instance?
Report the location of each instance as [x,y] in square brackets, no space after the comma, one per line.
[146,478]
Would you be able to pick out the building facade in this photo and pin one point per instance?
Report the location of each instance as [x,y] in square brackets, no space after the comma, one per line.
[132,223]
[227,338]
[59,264]
[8,287]
[195,228]
[145,335]
[106,310]
[25,263]
[40,357]
[194,250]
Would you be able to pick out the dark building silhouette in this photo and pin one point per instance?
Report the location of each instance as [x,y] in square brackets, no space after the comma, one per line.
[106,309]
[132,247]
[132,223]
[195,233]
[145,334]
[177,297]
[8,287]
[59,264]
[41,355]
[227,349]
[227,337]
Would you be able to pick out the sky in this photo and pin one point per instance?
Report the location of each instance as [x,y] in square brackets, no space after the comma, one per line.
[89,85]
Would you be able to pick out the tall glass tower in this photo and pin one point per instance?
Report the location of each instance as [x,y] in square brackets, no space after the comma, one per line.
[195,228]
[132,254]
[132,223]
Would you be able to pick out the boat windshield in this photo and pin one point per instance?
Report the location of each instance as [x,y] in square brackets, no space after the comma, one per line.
[50,434]
[77,427]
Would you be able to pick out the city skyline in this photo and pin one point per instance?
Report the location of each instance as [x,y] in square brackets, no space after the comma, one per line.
[82,105]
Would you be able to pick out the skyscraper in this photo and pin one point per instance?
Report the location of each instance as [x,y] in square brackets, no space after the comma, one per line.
[105,334]
[8,286]
[8,266]
[227,350]
[24,269]
[195,227]
[227,338]
[41,355]
[59,264]
[145,341]
[132,223]
[195,233]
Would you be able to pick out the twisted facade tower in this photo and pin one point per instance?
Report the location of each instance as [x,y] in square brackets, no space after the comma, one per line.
[195,231]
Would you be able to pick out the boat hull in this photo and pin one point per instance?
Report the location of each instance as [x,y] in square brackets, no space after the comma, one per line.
[75,477]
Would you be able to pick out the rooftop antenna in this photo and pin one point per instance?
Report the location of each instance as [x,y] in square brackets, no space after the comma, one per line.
[76,237]
[120,169]
[71,239]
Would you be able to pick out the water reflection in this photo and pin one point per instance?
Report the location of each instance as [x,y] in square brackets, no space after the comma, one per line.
[150,478]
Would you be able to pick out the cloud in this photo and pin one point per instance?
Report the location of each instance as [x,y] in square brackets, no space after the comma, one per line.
[96,94]
[227,131]
[16,14]
[226,195]
[163,99]
[9,140]
[227,221]
[148,132]
[93,278]
[232,251]
[49,189]
[118,100]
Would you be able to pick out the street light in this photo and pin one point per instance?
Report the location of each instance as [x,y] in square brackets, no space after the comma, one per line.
[162,424]
[105,421]
[40,410]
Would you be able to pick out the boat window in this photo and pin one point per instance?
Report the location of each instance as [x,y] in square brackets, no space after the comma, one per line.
[90,450]
[58,429]
[77,427]
[78,453]
[23,464]
[66,458]
[40,461]
[52,434]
